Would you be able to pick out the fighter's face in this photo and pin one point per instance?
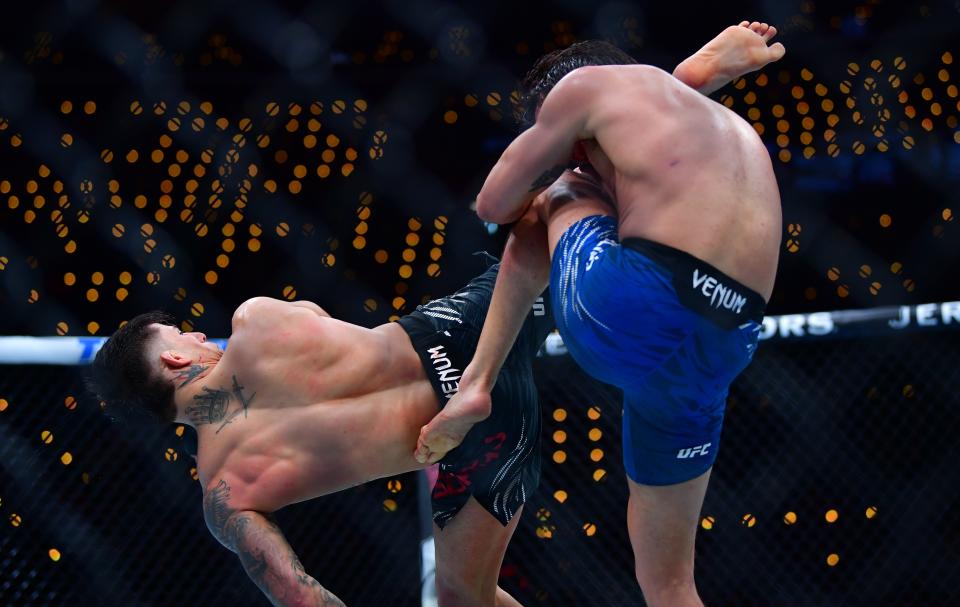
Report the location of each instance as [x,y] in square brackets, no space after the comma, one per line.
[186,342]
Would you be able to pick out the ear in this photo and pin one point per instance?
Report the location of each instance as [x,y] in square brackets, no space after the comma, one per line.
[174,360]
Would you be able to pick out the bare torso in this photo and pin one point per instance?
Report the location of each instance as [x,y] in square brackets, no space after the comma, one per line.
[684,170]
[332,405]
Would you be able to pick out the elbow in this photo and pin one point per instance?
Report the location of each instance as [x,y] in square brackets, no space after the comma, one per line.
[485,210]
[489,211]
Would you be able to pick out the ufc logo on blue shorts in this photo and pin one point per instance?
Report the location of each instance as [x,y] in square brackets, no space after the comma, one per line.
[693,451]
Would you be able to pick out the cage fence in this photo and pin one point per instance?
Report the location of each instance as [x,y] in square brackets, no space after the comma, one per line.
[836,484]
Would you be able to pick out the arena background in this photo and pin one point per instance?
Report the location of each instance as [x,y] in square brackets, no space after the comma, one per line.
[189,156]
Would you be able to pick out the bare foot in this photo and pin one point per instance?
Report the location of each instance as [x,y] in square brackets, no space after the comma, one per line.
[738,50]
[447,429]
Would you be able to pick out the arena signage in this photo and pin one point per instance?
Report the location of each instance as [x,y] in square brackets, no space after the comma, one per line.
[846,323]
[839,324]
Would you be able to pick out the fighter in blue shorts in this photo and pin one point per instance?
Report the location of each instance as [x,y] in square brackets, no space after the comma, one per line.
[664,300]
[648,319]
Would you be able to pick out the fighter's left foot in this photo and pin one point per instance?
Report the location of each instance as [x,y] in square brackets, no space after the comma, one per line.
[447,430]
[738,50]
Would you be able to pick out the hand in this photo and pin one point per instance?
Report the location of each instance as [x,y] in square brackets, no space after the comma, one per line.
[446,431]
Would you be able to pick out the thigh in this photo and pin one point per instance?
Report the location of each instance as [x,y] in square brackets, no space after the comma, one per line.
[662,521]
[582,253]
[668,436]
[470,551]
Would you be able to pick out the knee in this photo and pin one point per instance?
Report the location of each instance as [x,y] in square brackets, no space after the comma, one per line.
[447,596]
[457,592]
[664,589]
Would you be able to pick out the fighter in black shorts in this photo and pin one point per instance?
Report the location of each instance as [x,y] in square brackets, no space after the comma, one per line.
[301,405]
[498,463]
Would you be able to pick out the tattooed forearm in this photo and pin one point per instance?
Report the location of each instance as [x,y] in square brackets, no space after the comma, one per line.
[327,598]
[265,554]
[304,579]
[255,563]
[549,176]
[300,573]
[212,405]
[267,570]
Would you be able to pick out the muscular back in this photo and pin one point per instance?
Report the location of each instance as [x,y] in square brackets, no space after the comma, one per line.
[685,171]
[313,405]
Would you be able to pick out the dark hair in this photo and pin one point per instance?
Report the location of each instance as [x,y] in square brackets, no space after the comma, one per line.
[122,376]
[549,69]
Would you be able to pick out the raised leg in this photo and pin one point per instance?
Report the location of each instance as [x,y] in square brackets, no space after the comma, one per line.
[738,50]
[524,273]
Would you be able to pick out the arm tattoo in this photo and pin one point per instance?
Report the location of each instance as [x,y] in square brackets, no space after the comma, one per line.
[262,549]
[300,572]
[188,375]
[212,405]
[304,579]
[256,565]
[223,521]
[549,176]
[217,512]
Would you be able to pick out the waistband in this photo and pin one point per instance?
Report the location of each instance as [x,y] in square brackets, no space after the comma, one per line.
[702,287]
[441,359]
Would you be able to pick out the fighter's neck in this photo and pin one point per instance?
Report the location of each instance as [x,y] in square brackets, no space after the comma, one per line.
[191,385]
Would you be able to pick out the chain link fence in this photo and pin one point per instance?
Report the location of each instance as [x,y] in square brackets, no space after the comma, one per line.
[101,513]
[836,484]
[189,157]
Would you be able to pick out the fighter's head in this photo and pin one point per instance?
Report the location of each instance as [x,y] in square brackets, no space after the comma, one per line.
[137,369]
[549,69]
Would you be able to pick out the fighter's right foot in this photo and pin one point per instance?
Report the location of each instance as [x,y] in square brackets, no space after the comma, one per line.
[738,50]
[448,429]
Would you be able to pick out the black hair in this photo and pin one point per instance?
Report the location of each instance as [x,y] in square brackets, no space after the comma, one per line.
[122,376]
[549,69]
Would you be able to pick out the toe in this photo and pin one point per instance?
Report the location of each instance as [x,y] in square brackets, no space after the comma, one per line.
[744,24]
[770,33]
[755,26]
[777,51]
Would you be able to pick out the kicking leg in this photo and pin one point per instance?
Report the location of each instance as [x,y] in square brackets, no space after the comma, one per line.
[662,522]
[524,272]
[738,50]
[470,551]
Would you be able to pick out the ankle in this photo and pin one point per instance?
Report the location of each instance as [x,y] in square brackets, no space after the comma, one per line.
[698,72]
